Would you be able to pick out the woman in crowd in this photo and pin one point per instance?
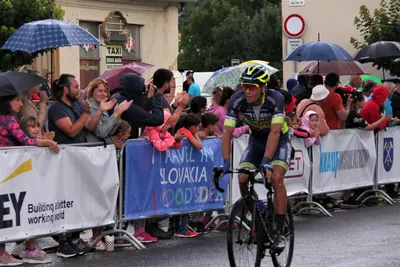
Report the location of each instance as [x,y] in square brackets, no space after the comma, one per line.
[12,135]
[98,94]
[30,109]
[219,107]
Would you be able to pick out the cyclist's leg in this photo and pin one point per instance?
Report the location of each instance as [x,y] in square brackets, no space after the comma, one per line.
[251,159]
[280,164]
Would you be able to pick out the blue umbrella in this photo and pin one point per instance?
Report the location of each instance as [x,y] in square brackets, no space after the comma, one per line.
[219,71]
[47,34]
[319,51]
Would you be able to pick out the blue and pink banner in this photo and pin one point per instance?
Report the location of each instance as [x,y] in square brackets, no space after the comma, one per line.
[174,181]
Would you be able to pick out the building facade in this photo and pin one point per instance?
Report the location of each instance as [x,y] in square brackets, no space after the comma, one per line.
[133,30]
[333,20]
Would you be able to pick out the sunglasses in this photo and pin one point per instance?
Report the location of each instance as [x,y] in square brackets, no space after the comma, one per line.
[249,86]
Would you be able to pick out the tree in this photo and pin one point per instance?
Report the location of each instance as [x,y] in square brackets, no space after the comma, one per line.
[218,31]
[14,14]
[382,25]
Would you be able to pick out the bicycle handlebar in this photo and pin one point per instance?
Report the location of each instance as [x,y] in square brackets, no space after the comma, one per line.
[217,172]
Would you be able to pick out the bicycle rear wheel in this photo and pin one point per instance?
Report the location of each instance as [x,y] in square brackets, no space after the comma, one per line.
[285,258]
[243,243]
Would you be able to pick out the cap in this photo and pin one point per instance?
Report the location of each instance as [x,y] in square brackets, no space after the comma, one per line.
[319,92]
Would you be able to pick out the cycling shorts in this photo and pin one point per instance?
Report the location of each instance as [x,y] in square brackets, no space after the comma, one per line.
[255,151]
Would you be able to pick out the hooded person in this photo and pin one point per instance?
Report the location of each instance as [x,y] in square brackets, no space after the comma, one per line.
[373,108]
[132,87]
[290,84]
[310,123]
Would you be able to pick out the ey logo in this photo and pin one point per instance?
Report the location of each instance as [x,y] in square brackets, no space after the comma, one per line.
[17,199]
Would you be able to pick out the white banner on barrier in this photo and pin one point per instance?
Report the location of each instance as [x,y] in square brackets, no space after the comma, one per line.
[388,155]
[43,193]
[344,160]
[297,178]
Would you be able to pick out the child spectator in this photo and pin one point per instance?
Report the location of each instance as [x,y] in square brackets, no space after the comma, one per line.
[161,138]
[310,123]
[209,125]
[191,127]
[30,125]
[122,134]
[294,124]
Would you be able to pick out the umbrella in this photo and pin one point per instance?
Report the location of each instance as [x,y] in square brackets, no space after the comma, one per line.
[340,67]
[379,51]
[112,76]
[50,33]
[13,83]
[365,78]
[319,51]
[253,62]
[230,77]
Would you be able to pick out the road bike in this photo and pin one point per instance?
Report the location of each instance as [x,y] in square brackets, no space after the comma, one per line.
[251,226]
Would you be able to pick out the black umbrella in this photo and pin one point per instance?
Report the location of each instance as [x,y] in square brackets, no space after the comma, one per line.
[379,51]
[13,83]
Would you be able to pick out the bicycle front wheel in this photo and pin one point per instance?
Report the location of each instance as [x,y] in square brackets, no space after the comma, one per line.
[243,242]
[285,258]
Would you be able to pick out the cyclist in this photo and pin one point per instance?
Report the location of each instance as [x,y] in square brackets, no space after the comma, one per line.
[269,143]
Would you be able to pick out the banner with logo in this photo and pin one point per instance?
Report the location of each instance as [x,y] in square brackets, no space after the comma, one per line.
[174,181]
[388,155]
[42,193]
[345,159]
[297,177]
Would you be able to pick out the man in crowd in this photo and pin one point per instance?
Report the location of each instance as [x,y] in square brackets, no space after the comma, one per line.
[333,107]
[189,74]
[194,88]
[355,81]
[67,118]
[367,88]
[306,92]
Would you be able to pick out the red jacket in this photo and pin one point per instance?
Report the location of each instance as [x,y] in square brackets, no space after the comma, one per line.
[371,110]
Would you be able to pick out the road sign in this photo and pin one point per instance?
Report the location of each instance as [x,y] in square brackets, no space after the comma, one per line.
[297,2]
[294,26]
[292,44]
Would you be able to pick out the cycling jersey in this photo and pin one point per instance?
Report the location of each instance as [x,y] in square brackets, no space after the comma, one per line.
[259,118]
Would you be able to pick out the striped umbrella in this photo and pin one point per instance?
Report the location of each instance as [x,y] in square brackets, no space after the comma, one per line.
[342,68]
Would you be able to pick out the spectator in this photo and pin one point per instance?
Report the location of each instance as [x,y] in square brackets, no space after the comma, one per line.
[356,121]
[161,138]
[319,96]
[294,123]
[186,85]
[191,127]
[29,108]
[396,100]
[132,87]
[333,107]
[164,80]
[194,88]
[356,81]
[290,101]
[198,105]
[388,103]
[68,117]
[11,134]
[273,83]
[221,96]
[209,125]
[31,126]
[291,84]
[307,92]
[367,88]
[310,123]
[98,93]
[372,111]
[122,134]
[46,87]
[301,85]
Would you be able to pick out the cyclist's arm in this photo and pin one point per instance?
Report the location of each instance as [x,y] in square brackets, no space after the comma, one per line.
[273,138]
[226,141]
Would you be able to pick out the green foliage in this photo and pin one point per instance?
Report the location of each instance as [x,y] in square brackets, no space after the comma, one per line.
[14,14]
[217,31]
[381,25]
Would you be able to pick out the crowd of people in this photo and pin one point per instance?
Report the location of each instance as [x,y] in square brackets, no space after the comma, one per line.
[313,107]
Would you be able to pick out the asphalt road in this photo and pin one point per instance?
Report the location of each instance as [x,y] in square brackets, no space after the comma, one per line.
[367,237]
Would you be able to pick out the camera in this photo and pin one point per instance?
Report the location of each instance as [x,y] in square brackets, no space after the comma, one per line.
[347,91]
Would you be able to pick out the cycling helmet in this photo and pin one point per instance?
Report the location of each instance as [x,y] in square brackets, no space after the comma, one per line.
[255,74]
